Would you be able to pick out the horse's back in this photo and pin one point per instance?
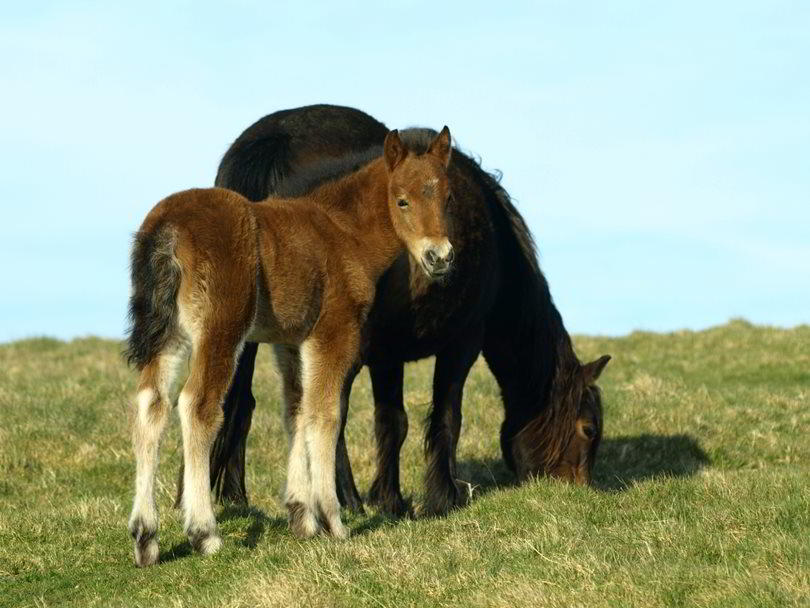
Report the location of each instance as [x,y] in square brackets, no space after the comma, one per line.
[282,143]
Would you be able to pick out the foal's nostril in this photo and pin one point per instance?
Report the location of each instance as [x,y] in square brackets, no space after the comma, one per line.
[450,255]
[430,257]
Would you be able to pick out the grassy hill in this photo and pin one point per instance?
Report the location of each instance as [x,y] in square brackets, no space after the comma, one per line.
[702,492]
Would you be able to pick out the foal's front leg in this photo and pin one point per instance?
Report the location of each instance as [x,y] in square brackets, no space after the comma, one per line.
[289,365]
[313,498]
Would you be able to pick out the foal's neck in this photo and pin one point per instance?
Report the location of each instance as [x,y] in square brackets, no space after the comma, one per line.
[358,203]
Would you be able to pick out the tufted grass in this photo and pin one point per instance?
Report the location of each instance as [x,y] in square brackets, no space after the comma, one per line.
[701,496]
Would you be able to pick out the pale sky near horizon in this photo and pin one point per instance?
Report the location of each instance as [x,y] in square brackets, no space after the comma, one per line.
[659,151]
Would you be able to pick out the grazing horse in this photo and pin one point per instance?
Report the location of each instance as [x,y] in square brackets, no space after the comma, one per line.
[210,271]
[497,301]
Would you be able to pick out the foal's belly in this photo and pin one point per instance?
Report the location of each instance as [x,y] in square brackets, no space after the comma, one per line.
[288,304]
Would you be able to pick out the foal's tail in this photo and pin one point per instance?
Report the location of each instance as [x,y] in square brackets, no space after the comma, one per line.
[153,303]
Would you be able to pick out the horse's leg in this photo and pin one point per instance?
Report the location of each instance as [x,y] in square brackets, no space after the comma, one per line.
[346,489]
[200,407]
[228,452]
[390,430]
[152,405]
[453,364]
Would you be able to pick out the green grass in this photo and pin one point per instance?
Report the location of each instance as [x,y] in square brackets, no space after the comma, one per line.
[702,493]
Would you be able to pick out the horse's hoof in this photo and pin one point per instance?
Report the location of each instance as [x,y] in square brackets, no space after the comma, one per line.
[392,505]
[440,502]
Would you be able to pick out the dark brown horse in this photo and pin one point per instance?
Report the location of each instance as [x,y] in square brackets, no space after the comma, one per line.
[496,300]
[211,271]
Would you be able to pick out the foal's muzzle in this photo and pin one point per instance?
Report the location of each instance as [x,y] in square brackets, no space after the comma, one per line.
[437,258]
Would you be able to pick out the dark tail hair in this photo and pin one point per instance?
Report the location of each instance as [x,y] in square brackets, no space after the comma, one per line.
[153,303]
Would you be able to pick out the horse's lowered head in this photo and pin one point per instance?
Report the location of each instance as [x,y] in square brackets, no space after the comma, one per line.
[563,440]
[418,191]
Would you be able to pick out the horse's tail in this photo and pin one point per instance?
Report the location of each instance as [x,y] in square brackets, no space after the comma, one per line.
[153,303]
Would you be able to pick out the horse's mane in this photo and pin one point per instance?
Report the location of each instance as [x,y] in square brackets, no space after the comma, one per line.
[546,364]
[314,175]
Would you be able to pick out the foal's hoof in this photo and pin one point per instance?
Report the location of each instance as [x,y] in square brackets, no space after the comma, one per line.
[146,545]
[205,543]
[302,521]
[146,554]
[336,529]
[210,545]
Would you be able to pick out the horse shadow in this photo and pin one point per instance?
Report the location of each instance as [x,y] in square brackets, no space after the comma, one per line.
[620,463]
[625,461]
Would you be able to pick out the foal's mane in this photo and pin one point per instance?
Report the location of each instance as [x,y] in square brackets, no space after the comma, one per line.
[312,176]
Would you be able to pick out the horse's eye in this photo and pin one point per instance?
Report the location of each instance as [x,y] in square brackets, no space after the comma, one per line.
[588,431]
[402,203]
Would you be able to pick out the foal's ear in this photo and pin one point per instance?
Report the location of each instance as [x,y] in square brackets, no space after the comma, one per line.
[591,371]
[394,150]
[440,146]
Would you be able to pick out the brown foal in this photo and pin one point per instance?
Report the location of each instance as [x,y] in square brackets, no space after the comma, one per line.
[211,271]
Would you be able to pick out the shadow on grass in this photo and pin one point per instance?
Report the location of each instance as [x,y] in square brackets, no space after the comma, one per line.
[621,462]
[259,524]
[178,551]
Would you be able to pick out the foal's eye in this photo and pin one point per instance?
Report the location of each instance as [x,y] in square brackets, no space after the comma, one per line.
[402,203]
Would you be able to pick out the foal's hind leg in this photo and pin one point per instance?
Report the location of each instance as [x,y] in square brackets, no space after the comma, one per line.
[441,438]
[390,430]
[152,405]
[200,408]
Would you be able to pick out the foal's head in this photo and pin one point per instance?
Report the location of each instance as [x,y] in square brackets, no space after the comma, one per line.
[418,191]
[562,442]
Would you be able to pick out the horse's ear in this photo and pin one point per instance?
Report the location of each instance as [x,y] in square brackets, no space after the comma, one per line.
[591,371]
[440,146]
[394,150]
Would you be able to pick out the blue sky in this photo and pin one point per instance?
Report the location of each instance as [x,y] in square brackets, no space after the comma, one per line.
[659,151]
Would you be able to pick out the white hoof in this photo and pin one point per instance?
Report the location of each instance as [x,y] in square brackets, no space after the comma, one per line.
[210,545]
[146,554]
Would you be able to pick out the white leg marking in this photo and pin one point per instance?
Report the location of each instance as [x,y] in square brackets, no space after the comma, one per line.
[320,430]
[148,425]
[200,522]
